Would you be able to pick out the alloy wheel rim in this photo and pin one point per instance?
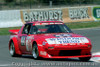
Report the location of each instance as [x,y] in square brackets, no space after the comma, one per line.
[12,49]
[35,52]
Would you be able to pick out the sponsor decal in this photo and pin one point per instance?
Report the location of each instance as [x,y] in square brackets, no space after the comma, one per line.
[67,40]
[63,35]
[96,13]
[28,43]
[47,23]
[66,35]
[23,40]
[44,43]
[39,45]
[47,15]
[78,13]
[57,35]
[13,36]
[27,47]
[64,44]
[43,53]
[28,37]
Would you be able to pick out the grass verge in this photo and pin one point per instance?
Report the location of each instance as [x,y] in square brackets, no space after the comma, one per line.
[4,31]
[83,25]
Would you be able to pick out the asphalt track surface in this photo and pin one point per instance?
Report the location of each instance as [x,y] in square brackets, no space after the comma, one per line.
[27,61]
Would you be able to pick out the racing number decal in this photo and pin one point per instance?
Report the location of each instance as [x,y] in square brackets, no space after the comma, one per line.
[23,40]
[28,43]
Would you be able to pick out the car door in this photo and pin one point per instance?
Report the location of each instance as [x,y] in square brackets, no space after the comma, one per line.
[23,36]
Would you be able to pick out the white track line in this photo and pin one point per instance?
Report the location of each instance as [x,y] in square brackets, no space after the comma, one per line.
[3,65]
[94,58]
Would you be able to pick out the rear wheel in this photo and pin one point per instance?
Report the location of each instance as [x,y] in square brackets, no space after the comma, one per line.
[85,58]
[12,49]
[35,52]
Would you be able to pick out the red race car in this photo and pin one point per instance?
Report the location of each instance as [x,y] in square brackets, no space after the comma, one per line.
[49,39]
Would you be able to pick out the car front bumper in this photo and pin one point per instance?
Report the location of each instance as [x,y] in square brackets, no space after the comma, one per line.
[65,51]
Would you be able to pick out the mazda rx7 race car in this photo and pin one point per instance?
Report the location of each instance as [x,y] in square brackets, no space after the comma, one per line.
[49,39]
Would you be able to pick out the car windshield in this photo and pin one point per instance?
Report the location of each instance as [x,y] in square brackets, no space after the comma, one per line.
[53,28]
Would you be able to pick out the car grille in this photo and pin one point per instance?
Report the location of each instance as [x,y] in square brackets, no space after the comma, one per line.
[69,52]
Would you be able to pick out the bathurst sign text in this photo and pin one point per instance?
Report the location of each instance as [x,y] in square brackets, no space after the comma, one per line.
[47,15]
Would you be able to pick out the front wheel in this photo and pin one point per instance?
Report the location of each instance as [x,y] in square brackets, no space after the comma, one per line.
[35,52]
[85,58]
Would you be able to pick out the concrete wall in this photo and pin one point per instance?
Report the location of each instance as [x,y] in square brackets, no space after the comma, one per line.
[14,18]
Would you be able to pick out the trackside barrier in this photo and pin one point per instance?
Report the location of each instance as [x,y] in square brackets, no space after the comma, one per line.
[96,13]
[14,18]
[79,14]
[10,18]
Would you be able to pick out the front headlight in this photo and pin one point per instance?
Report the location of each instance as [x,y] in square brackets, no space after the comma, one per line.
[84,40]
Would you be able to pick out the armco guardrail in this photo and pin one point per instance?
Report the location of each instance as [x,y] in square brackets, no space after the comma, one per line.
[13,18]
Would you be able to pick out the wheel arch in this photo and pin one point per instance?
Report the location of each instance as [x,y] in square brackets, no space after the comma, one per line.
[38,42]
[17,50]
[10,43]
[33,43]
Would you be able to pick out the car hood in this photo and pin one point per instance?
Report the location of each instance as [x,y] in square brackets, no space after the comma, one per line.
[61,38]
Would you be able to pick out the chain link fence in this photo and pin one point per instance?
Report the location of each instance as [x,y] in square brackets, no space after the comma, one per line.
[34,4]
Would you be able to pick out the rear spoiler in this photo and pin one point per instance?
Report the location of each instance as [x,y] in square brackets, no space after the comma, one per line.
[14,31]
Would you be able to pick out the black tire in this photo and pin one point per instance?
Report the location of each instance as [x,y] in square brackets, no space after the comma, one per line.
[84,58]
[12,50]
[35,52]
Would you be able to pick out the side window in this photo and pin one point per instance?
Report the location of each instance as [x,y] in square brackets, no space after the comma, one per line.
[34,30]
[26,29]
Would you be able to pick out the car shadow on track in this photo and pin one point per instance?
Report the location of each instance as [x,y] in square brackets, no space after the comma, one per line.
[49,59]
